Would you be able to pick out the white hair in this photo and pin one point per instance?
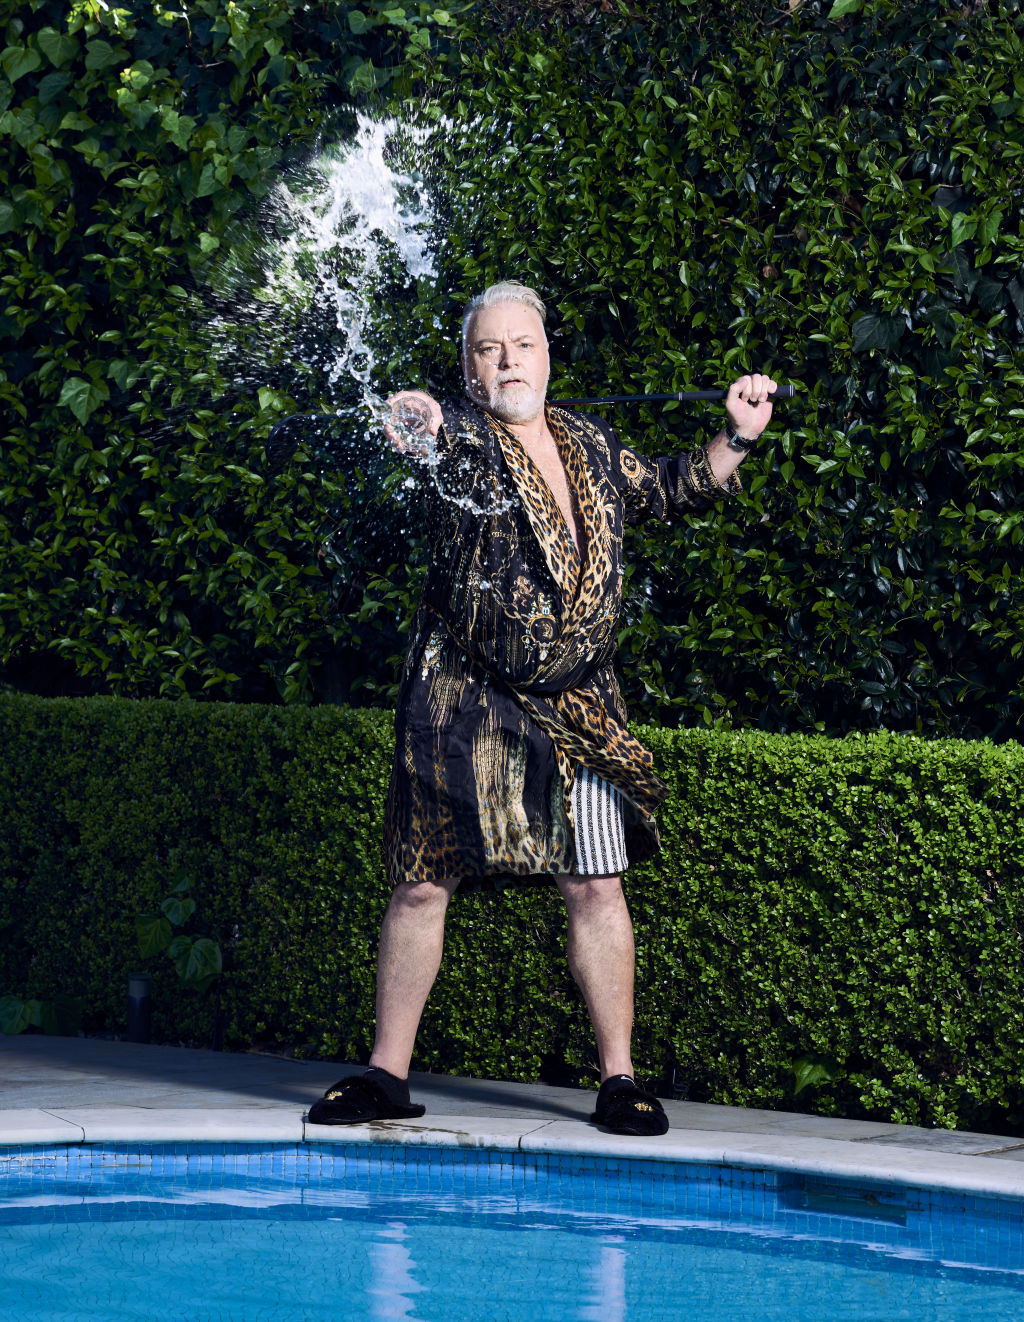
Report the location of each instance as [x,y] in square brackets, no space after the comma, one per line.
[505,291]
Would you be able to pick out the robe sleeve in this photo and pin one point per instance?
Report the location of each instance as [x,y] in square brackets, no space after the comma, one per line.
[665,488]
[459,422]
[458,479]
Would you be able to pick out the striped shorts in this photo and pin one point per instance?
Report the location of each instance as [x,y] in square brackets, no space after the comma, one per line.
[600,826]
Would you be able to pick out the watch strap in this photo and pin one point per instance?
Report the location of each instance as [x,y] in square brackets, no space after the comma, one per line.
[735,441]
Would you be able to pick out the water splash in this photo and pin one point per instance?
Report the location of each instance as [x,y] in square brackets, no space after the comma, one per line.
[335,241]
[340,269]
[344,236]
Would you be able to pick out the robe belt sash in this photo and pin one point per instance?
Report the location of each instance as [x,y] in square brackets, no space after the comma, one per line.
[578,723]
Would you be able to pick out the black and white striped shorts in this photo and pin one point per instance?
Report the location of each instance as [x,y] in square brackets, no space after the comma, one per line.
[600,826]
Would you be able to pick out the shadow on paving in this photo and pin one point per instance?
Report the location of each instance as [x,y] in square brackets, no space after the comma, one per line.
[37,1072]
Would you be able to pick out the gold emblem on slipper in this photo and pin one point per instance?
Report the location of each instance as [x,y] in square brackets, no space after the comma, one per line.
[643,1106]
[332,1095]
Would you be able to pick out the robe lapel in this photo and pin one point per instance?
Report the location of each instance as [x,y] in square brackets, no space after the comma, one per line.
[596,568]
[549,527]
[582,577]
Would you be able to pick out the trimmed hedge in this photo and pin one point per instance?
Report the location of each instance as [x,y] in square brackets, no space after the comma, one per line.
[848,912]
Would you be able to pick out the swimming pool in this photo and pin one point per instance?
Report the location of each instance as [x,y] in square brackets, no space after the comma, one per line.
[246,1232]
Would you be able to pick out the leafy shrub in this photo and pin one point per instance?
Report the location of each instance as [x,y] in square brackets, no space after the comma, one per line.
[833,195]
[198,960]
[141,552]
[832,192]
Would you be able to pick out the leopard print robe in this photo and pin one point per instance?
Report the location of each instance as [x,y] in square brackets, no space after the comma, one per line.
[508,683]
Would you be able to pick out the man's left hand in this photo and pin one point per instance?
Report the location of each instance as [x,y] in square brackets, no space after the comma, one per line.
[414,421]
[748,406]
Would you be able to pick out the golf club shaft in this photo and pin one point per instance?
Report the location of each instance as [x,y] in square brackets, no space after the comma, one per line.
[683,396]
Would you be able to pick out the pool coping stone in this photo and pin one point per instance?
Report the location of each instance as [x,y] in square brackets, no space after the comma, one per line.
[229,1098]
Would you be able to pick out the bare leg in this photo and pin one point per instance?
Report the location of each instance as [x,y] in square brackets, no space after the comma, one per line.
[411,941]
[601,959]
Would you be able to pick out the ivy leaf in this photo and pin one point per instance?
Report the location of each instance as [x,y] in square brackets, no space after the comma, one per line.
[182,882]
[178,911]
[811,1069]
[363,77]
[963,228]
[83,398]
[15,1014]
[178,127]
[208,183]
[843,7]
[951,199]
[989,228]
[153,934]
[51,87]
[100,54]
[198,960]
[875,331]
[965,277]
[18,60]
[58,47]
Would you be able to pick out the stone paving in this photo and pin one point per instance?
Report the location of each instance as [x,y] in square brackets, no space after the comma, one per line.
[74,1090]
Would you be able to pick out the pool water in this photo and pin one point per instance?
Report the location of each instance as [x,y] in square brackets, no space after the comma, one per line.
[347,1231]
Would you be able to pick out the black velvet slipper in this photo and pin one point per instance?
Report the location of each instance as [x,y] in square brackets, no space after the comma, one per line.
[624,1108]
[375,1095]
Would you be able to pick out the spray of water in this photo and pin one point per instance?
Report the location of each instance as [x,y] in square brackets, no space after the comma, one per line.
[335,282]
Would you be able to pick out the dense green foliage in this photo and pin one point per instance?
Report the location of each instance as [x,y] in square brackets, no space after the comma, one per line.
[845,910]
[838,201]
[139,553]
[832,192]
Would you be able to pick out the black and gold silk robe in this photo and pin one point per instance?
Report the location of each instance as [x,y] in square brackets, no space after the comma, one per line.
[508,684]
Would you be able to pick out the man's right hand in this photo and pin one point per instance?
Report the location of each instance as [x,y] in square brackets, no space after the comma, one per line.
[413,423]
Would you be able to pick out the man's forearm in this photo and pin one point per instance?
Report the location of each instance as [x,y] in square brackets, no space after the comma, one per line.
[724,460]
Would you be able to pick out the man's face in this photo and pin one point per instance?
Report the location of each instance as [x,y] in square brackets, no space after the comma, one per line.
[506,363]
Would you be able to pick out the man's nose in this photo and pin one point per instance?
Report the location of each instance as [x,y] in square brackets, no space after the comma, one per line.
[508,354]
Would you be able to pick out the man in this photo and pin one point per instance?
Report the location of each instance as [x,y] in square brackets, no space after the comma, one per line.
[513,762]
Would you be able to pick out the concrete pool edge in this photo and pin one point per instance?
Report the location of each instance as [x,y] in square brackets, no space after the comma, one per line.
[77,1090]
[860,1160]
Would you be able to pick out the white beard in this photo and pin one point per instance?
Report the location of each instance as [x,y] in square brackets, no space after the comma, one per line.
[520,404]
[516,404]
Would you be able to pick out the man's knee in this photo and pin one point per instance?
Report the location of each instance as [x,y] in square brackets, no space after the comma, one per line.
[421,896]
[591,892]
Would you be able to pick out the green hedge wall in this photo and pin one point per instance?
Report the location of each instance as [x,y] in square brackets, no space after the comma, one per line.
[139,554]
[848,911]
[832,190]
[834,193]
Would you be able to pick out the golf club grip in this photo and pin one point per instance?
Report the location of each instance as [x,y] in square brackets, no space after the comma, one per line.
[783,392]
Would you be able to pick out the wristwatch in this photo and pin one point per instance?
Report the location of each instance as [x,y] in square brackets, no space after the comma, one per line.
[735,441]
